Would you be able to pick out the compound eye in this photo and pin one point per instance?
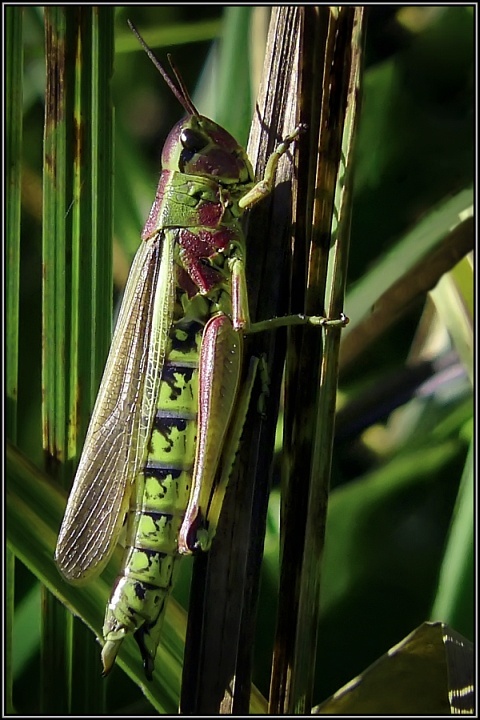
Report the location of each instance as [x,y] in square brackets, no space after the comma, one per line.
[193,140]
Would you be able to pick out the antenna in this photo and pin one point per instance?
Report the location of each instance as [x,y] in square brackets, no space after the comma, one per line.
[180,92]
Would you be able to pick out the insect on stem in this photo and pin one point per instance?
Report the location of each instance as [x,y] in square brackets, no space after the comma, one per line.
[165,429]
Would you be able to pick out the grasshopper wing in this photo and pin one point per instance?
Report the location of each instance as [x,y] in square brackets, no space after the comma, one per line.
[122,418]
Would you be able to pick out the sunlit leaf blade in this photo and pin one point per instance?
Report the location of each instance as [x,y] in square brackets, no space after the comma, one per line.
[451,299]
[413,678]
[404,275]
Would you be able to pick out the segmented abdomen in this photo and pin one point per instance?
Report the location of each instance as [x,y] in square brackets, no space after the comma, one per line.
[159,501]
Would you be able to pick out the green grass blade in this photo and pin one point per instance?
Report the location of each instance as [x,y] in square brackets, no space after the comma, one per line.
[453,602]
[404,274]
[452,297]
[176,34]
[77,268]
[14,126]
[232,89]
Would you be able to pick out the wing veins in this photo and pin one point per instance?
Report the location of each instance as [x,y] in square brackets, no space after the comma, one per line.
[118,430]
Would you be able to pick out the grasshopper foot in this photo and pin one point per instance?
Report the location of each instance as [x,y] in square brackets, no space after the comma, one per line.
[317,320]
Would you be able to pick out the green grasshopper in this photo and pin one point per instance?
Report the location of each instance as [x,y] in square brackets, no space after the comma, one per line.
[170,407]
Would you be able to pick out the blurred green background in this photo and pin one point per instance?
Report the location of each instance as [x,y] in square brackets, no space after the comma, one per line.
[399,546]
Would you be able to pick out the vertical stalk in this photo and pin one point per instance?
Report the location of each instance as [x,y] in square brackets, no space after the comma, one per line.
[330,61]
[14,126]
[76,283]
[218,660]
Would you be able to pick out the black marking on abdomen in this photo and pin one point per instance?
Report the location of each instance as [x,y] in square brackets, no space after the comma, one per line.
[164,424]
[171,370]
[160,471]
[156,515]
[184,336]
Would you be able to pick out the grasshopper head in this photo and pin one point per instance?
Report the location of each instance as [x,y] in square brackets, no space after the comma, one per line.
[198,146]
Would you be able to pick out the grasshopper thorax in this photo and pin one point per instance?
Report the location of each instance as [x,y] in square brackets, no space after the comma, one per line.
[198,146]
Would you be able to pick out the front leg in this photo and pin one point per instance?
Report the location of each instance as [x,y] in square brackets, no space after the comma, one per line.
[265,186]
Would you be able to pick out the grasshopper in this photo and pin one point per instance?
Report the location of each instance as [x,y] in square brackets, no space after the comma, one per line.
[170,403]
